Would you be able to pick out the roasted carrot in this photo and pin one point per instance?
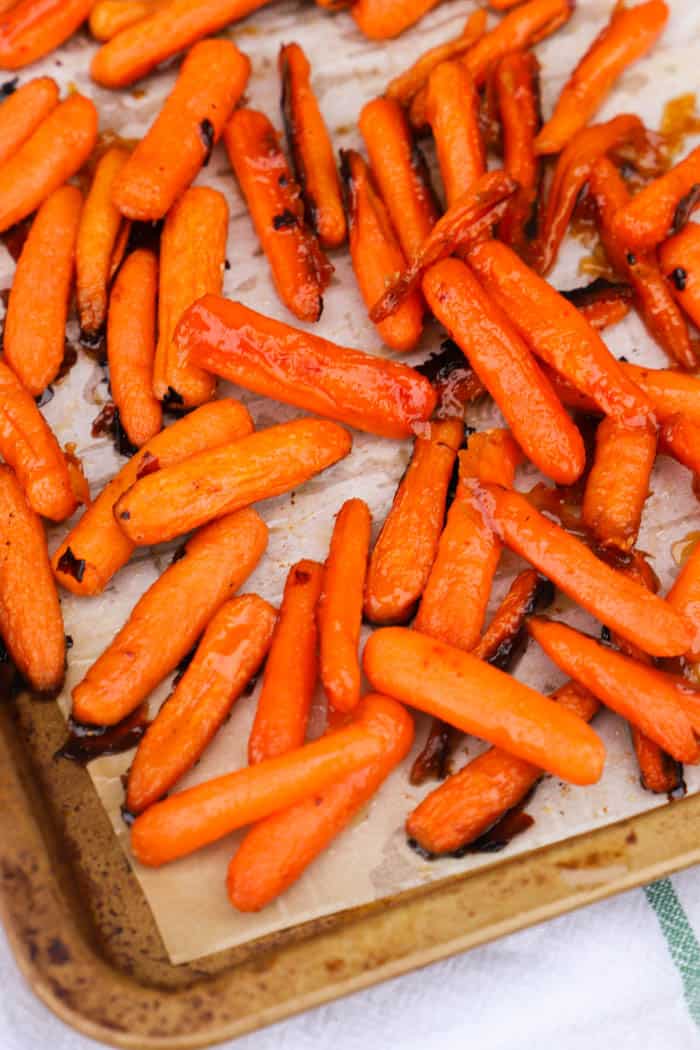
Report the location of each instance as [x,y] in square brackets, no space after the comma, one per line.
[483,701]
[220,480]
[602,303]
[191,819]
[180,140]
[102,236]
[35,326]
[34,28]
[670,392]
[109,17]
[620,603]
[48,158]
[662,207]
[679,258]
[507,369]
[406,85]
[311,148]
[192,259]
[516,84]
[289,365]
[291,671]
[300,270]
[684,597]
[383,19]
[96,548]
[452,110]
[408,543]
[230,652]
[680,437]
[277,850]
[23,111]
[376,253]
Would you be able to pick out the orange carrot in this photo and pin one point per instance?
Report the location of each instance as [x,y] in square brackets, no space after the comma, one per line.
[34,28]
[109,17]
[529,23]
[658,771]
[680,438]
[679,257]
[452,110]
[602,303]
[684,597]
[516,83]
[383,19]
[670,392]
[291,671]
[662,207]
[23,111]
[406,85]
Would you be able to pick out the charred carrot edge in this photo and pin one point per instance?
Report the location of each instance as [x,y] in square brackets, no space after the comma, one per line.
[57,149]
[679,258]
[192,259]
[23,111]
[644,696]
[179,142]
[452,110]
[407,545]
[218,481]
[483,701]
[684,597]
[191,819]
[406,85]
[168,619]
[96,548]
[604,313]
[35,326]
[471,801]
[516,82]
[109,17]
[376,253]
[383,19]
[310,148]
[101,229]
[34,28]
[662,207]
[507,369]
[291,671]
[298,368]
[602,303]
[300,270]
[230,652]
[680,437]
[340,605]
[131,347]
[624,605]
[276,851]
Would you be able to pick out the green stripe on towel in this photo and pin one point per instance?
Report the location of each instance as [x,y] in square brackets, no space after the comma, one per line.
[680,937]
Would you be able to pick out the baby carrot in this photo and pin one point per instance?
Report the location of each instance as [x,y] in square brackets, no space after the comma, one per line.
[340,605]
[376,254]
[661,206]
[684,597]
[529,23]
[291,670]
[507,369]
[300,270]
[96,548]
[191,819]
[34,28]
[35,326]
[516,84]
[483,701]
[23,111]
[383,19]
[169,618]
[669,391]
[680,437]
[109,17]
[230,652]
[49,157]
[192,258]
[452,110]
[298,368]
[679,258]
[602,303]
[220,480]
[180,140]
[406,85]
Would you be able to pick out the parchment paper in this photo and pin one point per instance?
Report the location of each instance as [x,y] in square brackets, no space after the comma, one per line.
[371,859]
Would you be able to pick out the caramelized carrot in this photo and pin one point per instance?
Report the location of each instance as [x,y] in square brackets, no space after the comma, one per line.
[300,270]
[383,19]
[662,207]
[291,671]
[406,85]
[23,111]
[192,258]
[679,258]
[670,392]
[684,597]
[295,367]
[109,17]
[452,110]
[602,303]
[230,652]
[618,483]
[680,438]
[34,28]
[96,548]
[516,84]
[35,326]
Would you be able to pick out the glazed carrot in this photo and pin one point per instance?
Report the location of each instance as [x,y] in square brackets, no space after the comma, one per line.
[408,543]
[300,270]
[131,347]
[644,696]
[34,28]
[400,171]
[30,615]
[376,253]
[180,140]
[383,19]
[618,483]
[670,392]
[23,111]
[191,819]
[557,333]
[276,851]
[230,652]
[624,605]
[311,148]
[506,367]
[102,238]
[139,48]
[169,618]
[192,259]
[662,207]
[452,110]
[471,801]
[57,149]
[220,480]
[684,597]
[271,358]
[291,670]
[35,326]
[406,85]
[679,258]
[96,548]
[340,605]
[483,701]
[516,84]
[109,17]
[680,437]
[602,303]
